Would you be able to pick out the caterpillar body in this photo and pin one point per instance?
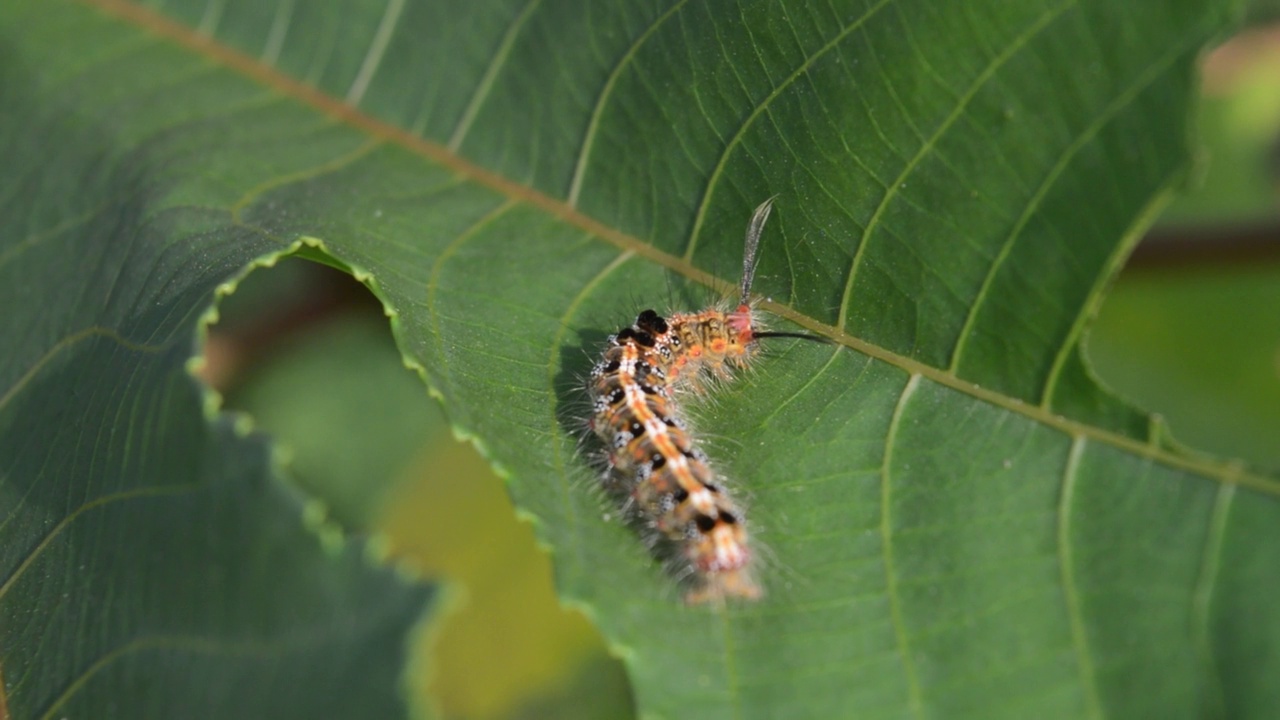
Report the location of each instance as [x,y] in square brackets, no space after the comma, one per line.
[637,389]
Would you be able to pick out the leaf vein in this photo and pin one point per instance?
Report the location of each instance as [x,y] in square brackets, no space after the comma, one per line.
[279,30]
[377,49]
[490,76]
[1202,595]
[593,126]
[433,282]
[1071,595]
[732,144]
[914,700]
[1121,101]
[69,341]
[929,145]
[57,530]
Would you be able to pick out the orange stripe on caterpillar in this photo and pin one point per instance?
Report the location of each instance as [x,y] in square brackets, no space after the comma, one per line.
[635,391]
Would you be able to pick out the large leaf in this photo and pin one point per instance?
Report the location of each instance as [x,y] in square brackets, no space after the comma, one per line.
[961,523]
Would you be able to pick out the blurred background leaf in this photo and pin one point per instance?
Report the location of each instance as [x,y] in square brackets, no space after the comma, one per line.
[1191,329]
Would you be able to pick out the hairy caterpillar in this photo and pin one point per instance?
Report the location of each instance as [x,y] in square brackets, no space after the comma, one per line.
[636,391]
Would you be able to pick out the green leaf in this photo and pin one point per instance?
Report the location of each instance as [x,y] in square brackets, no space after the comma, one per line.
[960,522]
[153,563]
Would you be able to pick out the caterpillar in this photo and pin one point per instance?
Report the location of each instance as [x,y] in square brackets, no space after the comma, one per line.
[636,392]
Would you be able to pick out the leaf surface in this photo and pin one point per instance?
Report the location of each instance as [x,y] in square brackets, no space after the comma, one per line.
[959,521]
[152,563]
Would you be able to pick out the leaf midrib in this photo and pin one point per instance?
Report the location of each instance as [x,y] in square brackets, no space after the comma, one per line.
[1223,472]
